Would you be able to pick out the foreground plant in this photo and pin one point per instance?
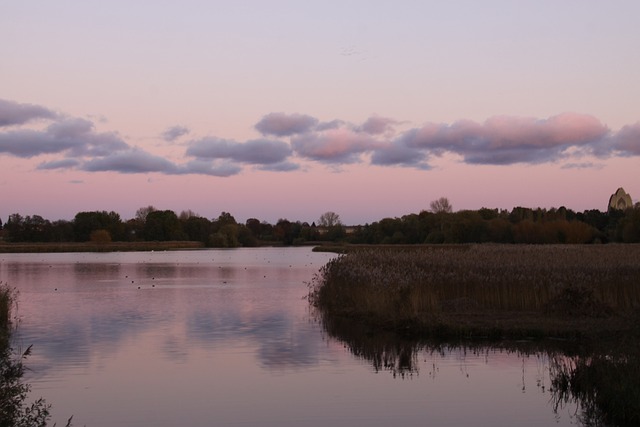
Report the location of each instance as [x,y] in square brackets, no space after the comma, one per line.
[14,409]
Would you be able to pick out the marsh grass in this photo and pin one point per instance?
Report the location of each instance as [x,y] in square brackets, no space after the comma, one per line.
[488,290]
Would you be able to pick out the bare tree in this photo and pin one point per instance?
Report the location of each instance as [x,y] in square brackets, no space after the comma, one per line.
[441,205]
[329,219]
[141,214]
[185,215]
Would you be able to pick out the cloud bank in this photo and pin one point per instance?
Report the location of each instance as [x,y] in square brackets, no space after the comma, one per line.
[288,140]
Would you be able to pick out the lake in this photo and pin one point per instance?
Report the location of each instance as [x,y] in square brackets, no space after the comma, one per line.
[226,338]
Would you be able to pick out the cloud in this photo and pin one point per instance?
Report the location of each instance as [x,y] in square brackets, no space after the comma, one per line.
[334,146]
[398,154]
[200,167]
[334,124]
[583,165]
[13,113]
[59,164]
[174,132]
[571,139]
[280,167]
[131,161]
[627,140]
[281,124]
[504,140]
[257,151]
[75,136]
[378,125]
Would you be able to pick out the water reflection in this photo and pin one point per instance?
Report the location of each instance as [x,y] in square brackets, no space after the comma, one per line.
[225,338]
[597,384]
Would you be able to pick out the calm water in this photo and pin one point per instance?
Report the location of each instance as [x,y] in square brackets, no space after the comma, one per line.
[225,338]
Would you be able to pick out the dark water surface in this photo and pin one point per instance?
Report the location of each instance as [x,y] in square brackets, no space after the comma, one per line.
[225,338]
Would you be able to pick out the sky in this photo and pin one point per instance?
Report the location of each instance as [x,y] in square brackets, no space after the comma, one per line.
[288,109]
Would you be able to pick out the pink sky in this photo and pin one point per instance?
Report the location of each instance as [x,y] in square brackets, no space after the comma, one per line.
[286,110]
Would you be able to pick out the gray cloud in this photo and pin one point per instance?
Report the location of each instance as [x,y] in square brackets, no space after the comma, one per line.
[73,135]
[583,165]
[627,140]
[221,169]
[13,113]
[258,151]
[334,146]
[281,124]
[174,132]
[501,140]
[378,125]
[130,161]
[333,124]
[398,154]
[280,167]
[507,140]
[59,164]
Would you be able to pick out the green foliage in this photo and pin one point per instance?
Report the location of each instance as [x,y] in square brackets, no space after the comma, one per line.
[85,223]
[197,228]
[162,226]
[521,225]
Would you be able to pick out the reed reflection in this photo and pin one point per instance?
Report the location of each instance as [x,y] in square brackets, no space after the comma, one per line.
[596,383]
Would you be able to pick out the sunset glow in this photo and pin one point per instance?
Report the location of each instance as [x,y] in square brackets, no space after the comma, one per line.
[285,109]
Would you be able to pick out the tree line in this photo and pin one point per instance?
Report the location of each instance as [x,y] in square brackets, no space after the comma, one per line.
[151,224]
[440,224]
[520,225]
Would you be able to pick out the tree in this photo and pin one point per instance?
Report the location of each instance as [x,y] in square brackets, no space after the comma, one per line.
[14,228]
[329,219]
[197,228]
[225,218]
[162,226]
[441,205]
[141,214]
[86,222]
[185,215]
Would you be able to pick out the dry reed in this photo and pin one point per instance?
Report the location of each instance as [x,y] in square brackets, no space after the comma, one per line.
[411,287]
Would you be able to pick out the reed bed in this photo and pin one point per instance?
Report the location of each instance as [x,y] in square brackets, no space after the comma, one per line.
[430,286]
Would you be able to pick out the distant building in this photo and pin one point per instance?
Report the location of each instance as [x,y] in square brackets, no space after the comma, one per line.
[620,200]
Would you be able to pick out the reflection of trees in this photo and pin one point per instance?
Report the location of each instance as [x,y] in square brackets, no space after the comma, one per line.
[603,384]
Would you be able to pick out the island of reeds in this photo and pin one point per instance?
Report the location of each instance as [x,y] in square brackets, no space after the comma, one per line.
[492,291]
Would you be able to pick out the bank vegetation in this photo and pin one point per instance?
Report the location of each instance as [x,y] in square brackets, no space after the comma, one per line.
[485,290]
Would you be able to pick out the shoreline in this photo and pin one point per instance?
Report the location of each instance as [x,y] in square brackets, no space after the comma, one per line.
[98,247]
